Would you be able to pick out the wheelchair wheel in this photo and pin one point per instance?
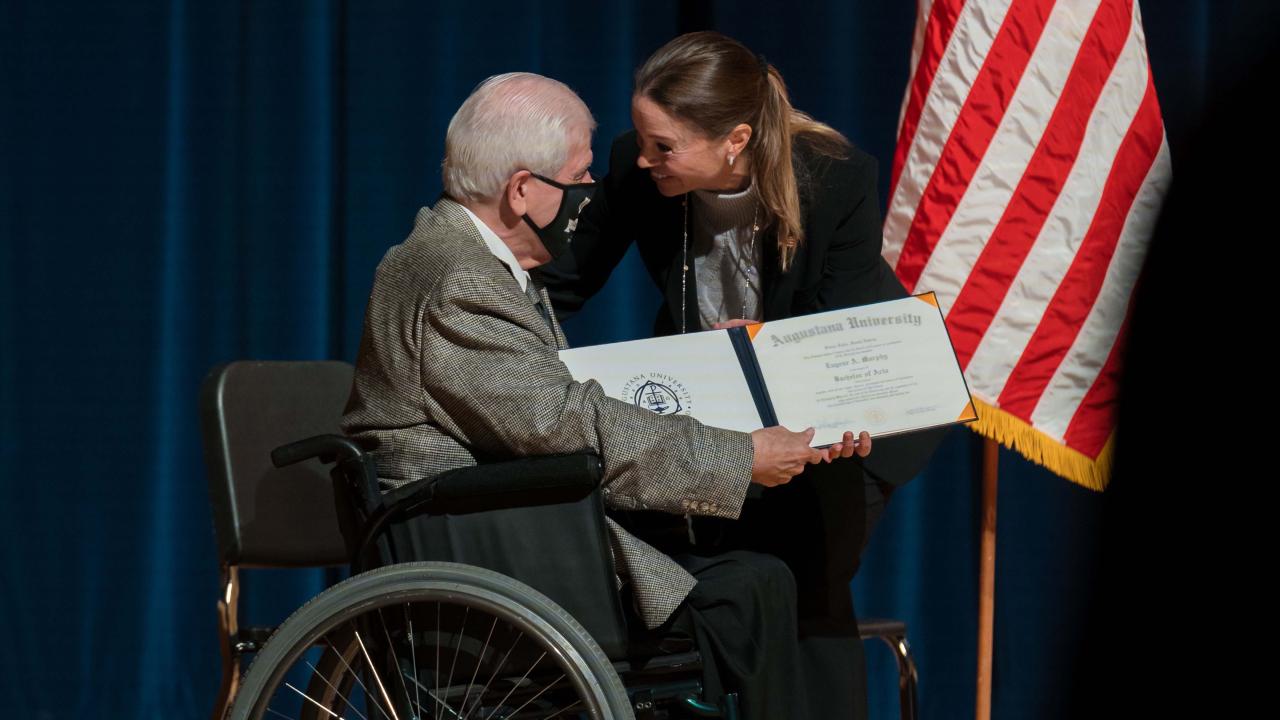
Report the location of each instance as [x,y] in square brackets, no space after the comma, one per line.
[431,640]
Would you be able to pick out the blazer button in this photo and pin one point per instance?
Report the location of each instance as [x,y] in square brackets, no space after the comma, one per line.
[714,507]
[685,503]
[705,506]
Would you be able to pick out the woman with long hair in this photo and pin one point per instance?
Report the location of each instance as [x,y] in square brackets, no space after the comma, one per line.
[745,209]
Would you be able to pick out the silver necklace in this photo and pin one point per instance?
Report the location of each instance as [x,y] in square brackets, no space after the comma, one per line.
[684,270]
[684,265]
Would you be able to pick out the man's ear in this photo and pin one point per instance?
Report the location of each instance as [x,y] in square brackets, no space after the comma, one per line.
[739,136]
[516,192]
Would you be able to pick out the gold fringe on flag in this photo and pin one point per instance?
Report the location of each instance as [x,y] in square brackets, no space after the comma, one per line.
[1016,434]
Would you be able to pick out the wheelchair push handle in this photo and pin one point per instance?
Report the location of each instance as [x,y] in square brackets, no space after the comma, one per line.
[329,448]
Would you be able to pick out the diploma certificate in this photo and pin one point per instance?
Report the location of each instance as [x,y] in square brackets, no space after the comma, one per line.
[886,368]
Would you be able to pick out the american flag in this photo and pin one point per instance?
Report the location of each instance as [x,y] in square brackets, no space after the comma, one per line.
[1030,167]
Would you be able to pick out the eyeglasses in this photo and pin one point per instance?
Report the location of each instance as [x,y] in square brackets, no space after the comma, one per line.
[560,185]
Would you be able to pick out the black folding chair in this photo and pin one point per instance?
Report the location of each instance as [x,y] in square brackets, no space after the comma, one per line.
[265,516]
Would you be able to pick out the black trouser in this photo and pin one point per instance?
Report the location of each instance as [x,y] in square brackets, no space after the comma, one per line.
[742,615]
[817,525]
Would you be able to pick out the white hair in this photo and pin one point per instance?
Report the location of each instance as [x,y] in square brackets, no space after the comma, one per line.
[511,122]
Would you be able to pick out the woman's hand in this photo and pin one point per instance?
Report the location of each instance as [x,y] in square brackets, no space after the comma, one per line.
[848,447]
[736,322]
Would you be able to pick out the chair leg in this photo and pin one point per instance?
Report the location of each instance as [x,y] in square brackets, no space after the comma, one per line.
[731,706]
[228,627]
[906,674]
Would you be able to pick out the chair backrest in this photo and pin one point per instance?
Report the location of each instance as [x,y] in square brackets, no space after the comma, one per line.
[264,516]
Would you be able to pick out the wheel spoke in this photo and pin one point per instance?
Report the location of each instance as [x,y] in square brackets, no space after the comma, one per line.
[309,699]
[395,660]
[336,691]
[437,665]
[479,658]
[535,697]
[503,701]
[497,670]
[356,676]
[377,678]
[445,703]
[457,647]
[564,709]
[413,659]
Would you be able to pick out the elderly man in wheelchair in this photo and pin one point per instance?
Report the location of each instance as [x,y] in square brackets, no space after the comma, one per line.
[493,492]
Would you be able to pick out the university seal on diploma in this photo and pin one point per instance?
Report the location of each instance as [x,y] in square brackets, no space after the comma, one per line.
[659,393]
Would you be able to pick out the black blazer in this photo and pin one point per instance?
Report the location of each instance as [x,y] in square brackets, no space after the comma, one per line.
[837,265]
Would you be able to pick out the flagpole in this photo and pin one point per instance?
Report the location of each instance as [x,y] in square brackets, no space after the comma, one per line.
[987,576]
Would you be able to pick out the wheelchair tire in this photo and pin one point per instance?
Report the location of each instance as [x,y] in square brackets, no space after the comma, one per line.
[329,646]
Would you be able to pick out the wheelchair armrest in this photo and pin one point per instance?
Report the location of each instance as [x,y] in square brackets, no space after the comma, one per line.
[544,480]
[525,482]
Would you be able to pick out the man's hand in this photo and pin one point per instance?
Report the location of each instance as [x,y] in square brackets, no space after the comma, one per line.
[781,454]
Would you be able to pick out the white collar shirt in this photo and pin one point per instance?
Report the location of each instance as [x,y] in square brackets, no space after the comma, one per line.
[500,250]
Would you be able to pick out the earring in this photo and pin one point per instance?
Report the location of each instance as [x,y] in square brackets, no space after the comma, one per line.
[731,156]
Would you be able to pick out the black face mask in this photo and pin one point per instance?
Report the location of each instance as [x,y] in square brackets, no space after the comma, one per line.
[558,234]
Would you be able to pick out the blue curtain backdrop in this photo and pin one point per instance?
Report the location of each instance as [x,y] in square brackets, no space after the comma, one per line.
[183,184]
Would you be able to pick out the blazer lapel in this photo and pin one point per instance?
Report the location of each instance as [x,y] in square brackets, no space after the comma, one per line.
[562,342]
[773,303]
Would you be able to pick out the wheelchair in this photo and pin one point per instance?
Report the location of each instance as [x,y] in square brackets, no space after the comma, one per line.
[508,610]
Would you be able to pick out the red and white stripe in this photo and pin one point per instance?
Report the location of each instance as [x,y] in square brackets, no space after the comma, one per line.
[1029,171]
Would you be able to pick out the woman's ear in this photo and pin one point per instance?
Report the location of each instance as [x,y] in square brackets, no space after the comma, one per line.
[739,136]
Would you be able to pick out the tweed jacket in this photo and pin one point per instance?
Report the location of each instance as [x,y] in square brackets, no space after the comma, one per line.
[457,366]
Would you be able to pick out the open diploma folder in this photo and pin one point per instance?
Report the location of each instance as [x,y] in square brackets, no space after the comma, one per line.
[886,368]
